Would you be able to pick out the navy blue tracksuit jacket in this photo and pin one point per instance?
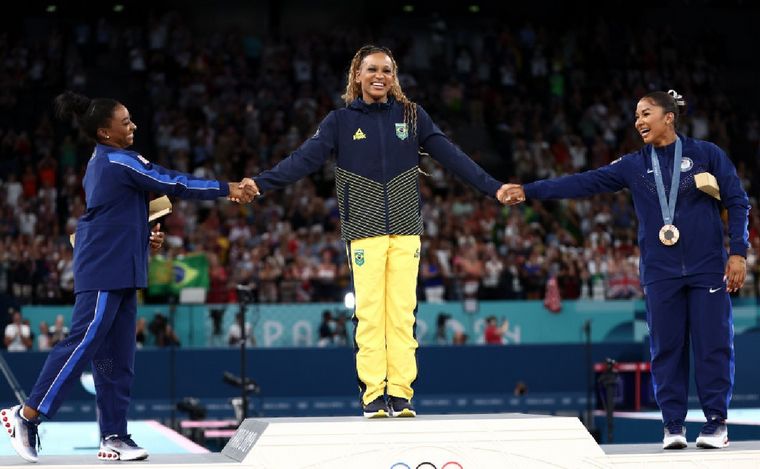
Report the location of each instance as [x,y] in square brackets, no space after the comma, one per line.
[377,160]
[686,296]
[110,263]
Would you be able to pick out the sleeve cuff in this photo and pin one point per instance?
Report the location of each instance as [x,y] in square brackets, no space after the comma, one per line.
[224,188]
[738,250]
[529,191]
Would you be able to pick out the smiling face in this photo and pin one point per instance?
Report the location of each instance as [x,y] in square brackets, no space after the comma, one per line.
[654,124]
[375,76]
[120,132]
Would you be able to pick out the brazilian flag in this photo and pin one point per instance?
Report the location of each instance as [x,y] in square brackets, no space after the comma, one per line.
[159,276]
[190,271]
[167,276]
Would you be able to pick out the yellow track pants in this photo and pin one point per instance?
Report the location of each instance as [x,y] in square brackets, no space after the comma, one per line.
[384,270]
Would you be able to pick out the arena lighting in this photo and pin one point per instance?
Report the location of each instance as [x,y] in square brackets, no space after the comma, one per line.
[407,8]
[349,301]
[118,8]
[51,8]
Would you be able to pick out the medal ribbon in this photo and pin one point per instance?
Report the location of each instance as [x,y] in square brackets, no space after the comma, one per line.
[668,206]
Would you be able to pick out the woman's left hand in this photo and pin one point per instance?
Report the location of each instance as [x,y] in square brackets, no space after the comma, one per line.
[736,272]
[156,238]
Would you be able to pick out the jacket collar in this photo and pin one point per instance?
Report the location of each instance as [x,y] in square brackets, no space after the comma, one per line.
[360,105]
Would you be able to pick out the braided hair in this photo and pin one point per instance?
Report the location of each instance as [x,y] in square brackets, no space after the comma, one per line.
[354,90]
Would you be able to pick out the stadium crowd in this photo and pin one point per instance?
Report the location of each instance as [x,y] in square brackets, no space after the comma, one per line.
[525,101]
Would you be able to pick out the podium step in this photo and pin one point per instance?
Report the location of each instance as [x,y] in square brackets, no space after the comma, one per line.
[450,441]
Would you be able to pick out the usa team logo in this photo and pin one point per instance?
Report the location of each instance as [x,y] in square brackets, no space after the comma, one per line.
[686,164]
[402,131]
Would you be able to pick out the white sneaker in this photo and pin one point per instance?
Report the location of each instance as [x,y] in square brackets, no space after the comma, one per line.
[120,448]
[714,434]
[675,437]
[23,433]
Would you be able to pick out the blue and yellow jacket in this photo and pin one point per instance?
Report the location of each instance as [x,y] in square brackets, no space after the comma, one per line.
[112,237]
[377,161]
[700,247]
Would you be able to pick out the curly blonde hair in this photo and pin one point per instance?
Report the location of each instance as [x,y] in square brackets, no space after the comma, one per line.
[354,90]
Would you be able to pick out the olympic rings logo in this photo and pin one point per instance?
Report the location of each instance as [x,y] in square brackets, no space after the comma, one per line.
[427,465]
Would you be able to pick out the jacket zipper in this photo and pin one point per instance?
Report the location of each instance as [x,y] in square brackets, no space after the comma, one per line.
[381,135]
[669,177]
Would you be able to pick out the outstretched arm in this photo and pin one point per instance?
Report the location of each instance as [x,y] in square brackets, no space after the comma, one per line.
[138,172]
[438,145]
[309,157]
[610,178]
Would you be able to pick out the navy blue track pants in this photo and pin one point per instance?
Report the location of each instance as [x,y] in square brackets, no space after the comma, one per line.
[102,333]
[692,310]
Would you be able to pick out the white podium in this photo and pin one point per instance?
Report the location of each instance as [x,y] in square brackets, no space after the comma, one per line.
[428,441]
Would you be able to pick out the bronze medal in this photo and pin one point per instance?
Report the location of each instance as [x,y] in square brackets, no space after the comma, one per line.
[669,235]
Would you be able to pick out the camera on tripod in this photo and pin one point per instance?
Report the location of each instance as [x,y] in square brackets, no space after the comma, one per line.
[246,293]
[251,387]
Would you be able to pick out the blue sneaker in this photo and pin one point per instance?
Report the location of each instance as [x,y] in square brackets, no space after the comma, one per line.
[376,409]
[401,407]
[23,433]
[714,434]
[675,436]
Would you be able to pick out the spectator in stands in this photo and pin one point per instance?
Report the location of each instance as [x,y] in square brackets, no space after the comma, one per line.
[376,139]
[326,329]
[18,336]
[494,332]
[432,278]
[459,338]
[169,338]
[59,331]
[340,336]
[113,239]
[140,332]
[43,339]
[441,331]
[687,280]
[234,336]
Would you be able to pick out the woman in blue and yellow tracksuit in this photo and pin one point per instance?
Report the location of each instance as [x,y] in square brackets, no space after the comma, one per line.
[685,270]
[375,140]
[110,264]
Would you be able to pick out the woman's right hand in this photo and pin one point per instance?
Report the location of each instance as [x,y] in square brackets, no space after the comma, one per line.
[244,191]
[510,194]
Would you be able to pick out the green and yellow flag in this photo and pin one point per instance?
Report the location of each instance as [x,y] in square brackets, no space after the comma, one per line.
[167,276]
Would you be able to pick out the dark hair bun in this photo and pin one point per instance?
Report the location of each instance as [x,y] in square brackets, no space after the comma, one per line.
[70,104]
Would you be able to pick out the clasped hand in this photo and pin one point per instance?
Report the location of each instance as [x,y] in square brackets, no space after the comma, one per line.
[244,191]
[510,194]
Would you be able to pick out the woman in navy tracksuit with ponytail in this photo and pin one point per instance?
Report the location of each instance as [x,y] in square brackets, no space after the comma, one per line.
[110,264]
[686,272]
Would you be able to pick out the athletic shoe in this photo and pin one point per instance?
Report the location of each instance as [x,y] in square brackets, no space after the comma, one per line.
[23,433]
[401,407]
[675,437]
[714,434]
[120,448]
[376,409]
